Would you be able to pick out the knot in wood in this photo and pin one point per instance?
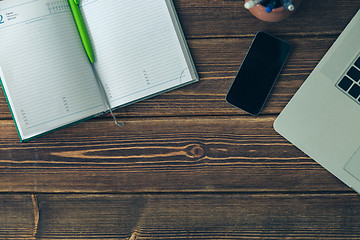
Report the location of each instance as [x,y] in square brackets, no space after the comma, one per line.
[195,151]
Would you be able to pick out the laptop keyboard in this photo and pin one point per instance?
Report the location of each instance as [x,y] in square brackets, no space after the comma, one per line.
[350,83]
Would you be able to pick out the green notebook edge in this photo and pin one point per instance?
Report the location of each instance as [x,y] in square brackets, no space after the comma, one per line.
[11,111]
[23,140]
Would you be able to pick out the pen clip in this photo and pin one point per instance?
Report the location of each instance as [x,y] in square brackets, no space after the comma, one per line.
[77,2]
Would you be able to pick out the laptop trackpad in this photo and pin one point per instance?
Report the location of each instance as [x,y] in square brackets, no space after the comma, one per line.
[353,165]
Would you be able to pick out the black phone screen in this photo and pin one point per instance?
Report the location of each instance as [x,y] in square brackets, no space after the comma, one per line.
[258,73]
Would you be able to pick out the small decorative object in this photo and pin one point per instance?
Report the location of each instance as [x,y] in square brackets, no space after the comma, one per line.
[272,10]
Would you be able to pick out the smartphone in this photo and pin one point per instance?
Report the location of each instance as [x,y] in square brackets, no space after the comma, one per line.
[258,73]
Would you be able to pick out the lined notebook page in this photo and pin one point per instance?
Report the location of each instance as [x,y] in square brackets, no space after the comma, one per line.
[46,74]
[136,48]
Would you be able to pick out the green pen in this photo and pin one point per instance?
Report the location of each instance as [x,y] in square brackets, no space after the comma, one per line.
[74,5]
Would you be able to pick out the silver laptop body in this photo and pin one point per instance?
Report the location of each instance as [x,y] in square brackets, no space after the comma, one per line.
[323,117]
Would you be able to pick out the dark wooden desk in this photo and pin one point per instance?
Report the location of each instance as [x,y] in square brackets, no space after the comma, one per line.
[186,165]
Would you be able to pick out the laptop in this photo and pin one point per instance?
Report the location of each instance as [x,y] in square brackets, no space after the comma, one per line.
[323,117]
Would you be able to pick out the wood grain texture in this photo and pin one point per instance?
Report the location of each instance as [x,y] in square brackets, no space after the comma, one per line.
[228,18]
[186,216]
[153,155]
[186,165]
[16,216]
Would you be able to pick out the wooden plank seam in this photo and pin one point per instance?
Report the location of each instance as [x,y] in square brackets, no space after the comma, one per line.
[36,213]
